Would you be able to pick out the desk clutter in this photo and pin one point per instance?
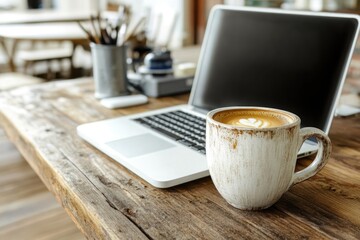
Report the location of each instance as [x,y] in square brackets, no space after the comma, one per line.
[158,77]
[124,58]
[124,101]
[104,31]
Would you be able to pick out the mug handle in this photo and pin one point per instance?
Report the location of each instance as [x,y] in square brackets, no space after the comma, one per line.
[322,155]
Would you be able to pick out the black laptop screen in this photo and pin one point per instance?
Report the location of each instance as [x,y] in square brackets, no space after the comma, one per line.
[285,61]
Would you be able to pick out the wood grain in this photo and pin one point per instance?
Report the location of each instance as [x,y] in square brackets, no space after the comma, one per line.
[27,209]
[109,202]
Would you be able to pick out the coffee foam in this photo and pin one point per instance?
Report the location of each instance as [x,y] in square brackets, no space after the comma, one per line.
[253,118]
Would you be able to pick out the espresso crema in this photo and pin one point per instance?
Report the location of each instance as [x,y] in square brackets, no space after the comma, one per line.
[255,118]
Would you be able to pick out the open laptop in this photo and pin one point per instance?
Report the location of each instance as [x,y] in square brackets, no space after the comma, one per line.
[296,61]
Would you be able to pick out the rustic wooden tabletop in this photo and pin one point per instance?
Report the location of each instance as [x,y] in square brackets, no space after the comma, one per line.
[106,201]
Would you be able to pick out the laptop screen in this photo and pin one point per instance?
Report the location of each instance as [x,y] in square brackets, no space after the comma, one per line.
[286,61]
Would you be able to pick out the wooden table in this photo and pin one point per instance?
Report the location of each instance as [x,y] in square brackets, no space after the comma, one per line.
[44,25]
[43,31]
[43,15]
[40,32]
[18,25]
[49,15]
[106,201]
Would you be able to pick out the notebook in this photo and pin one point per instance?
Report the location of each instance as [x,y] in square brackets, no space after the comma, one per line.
[295,61]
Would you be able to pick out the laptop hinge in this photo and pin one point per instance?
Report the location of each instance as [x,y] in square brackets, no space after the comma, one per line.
[198,110]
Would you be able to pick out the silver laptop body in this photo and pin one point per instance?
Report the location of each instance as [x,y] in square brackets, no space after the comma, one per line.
[296,61]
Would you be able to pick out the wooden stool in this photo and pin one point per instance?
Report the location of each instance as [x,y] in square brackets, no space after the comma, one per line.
[14,80]
[30,57]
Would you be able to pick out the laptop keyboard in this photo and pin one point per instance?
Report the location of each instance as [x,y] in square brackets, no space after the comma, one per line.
[185,128]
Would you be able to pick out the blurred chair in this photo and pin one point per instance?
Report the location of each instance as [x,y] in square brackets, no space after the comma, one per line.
[46,54]
[50,55]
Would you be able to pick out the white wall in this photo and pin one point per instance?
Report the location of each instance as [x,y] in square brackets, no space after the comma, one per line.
[235,2]
[166,6]
[18,4]
[81,5]
[60,4]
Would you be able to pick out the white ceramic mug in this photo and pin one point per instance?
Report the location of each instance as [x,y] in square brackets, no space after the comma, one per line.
[253,167]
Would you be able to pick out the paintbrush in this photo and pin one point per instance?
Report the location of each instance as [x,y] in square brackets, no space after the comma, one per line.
[89,35]
[96,35]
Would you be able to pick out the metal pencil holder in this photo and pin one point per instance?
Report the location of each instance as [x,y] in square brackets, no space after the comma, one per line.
[109,70]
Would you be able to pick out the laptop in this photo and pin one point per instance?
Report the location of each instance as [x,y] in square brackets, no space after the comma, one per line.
[291,60]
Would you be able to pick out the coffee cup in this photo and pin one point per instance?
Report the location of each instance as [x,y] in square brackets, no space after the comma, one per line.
[252,152]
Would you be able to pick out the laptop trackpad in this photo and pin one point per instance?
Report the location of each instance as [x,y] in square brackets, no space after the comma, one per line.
[139,145]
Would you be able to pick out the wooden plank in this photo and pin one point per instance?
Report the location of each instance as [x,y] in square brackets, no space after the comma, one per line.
[69,186]
[108,201]
[52,224]
[27,209]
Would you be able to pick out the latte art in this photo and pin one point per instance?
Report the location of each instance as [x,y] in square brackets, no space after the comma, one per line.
[253,122]
[250,122]
[252,118]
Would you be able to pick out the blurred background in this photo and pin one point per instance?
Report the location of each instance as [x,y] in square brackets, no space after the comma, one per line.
[40,40]
[168,23]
